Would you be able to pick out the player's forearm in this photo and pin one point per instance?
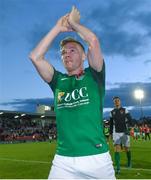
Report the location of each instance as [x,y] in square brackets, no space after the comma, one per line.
[111,130]
[39,52]
[94,54]
[85,34]
[111,125]
[128,116]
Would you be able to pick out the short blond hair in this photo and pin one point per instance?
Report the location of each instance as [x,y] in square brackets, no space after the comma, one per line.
[70,39]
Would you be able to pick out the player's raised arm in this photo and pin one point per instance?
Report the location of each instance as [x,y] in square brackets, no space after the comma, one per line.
[95,56]
[37,55]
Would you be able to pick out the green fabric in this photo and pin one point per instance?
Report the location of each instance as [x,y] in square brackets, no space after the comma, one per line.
[79,109]
[106,131]
[136,129]
[128,158]
[117,160]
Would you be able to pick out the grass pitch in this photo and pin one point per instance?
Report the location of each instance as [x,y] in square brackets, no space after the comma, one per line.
[33,160]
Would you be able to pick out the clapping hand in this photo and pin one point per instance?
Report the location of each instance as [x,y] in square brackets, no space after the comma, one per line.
[74,16]
[66,23]
[63,24]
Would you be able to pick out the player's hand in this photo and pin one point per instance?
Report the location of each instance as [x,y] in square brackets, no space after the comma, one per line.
[74,16]
[63,24]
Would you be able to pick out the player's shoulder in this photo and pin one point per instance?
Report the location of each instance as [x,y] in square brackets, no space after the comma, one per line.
[59,74]
[113,110]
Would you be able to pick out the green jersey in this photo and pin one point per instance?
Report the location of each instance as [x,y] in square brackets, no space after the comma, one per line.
[79,108]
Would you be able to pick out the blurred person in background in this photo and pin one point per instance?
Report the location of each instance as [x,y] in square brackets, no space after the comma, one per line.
[120,121]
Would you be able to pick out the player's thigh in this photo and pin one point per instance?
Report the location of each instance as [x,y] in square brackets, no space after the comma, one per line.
[96,166]
[126,141]
[60,173]
[117,138]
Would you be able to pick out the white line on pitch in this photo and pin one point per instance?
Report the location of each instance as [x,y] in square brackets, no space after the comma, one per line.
[139,169]
[26,161]
[46,162]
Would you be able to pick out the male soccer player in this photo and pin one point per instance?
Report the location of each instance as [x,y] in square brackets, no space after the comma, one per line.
[82,151]
[120,120]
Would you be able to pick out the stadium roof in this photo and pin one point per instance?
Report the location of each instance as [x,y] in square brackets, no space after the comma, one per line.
[23,115]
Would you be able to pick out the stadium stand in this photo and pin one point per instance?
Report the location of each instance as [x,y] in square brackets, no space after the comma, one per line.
[22,127]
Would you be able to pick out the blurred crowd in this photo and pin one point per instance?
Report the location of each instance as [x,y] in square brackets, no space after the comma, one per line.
[137,132]
[16,130]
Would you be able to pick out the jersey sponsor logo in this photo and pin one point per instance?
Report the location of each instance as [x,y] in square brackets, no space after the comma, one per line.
[75,98]
[76,94]
[122,111]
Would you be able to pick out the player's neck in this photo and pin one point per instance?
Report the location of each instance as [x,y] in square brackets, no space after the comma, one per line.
[117,107]
[78,72]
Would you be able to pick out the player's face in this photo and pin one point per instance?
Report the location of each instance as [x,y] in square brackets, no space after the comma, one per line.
[117,102]
[72,56]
